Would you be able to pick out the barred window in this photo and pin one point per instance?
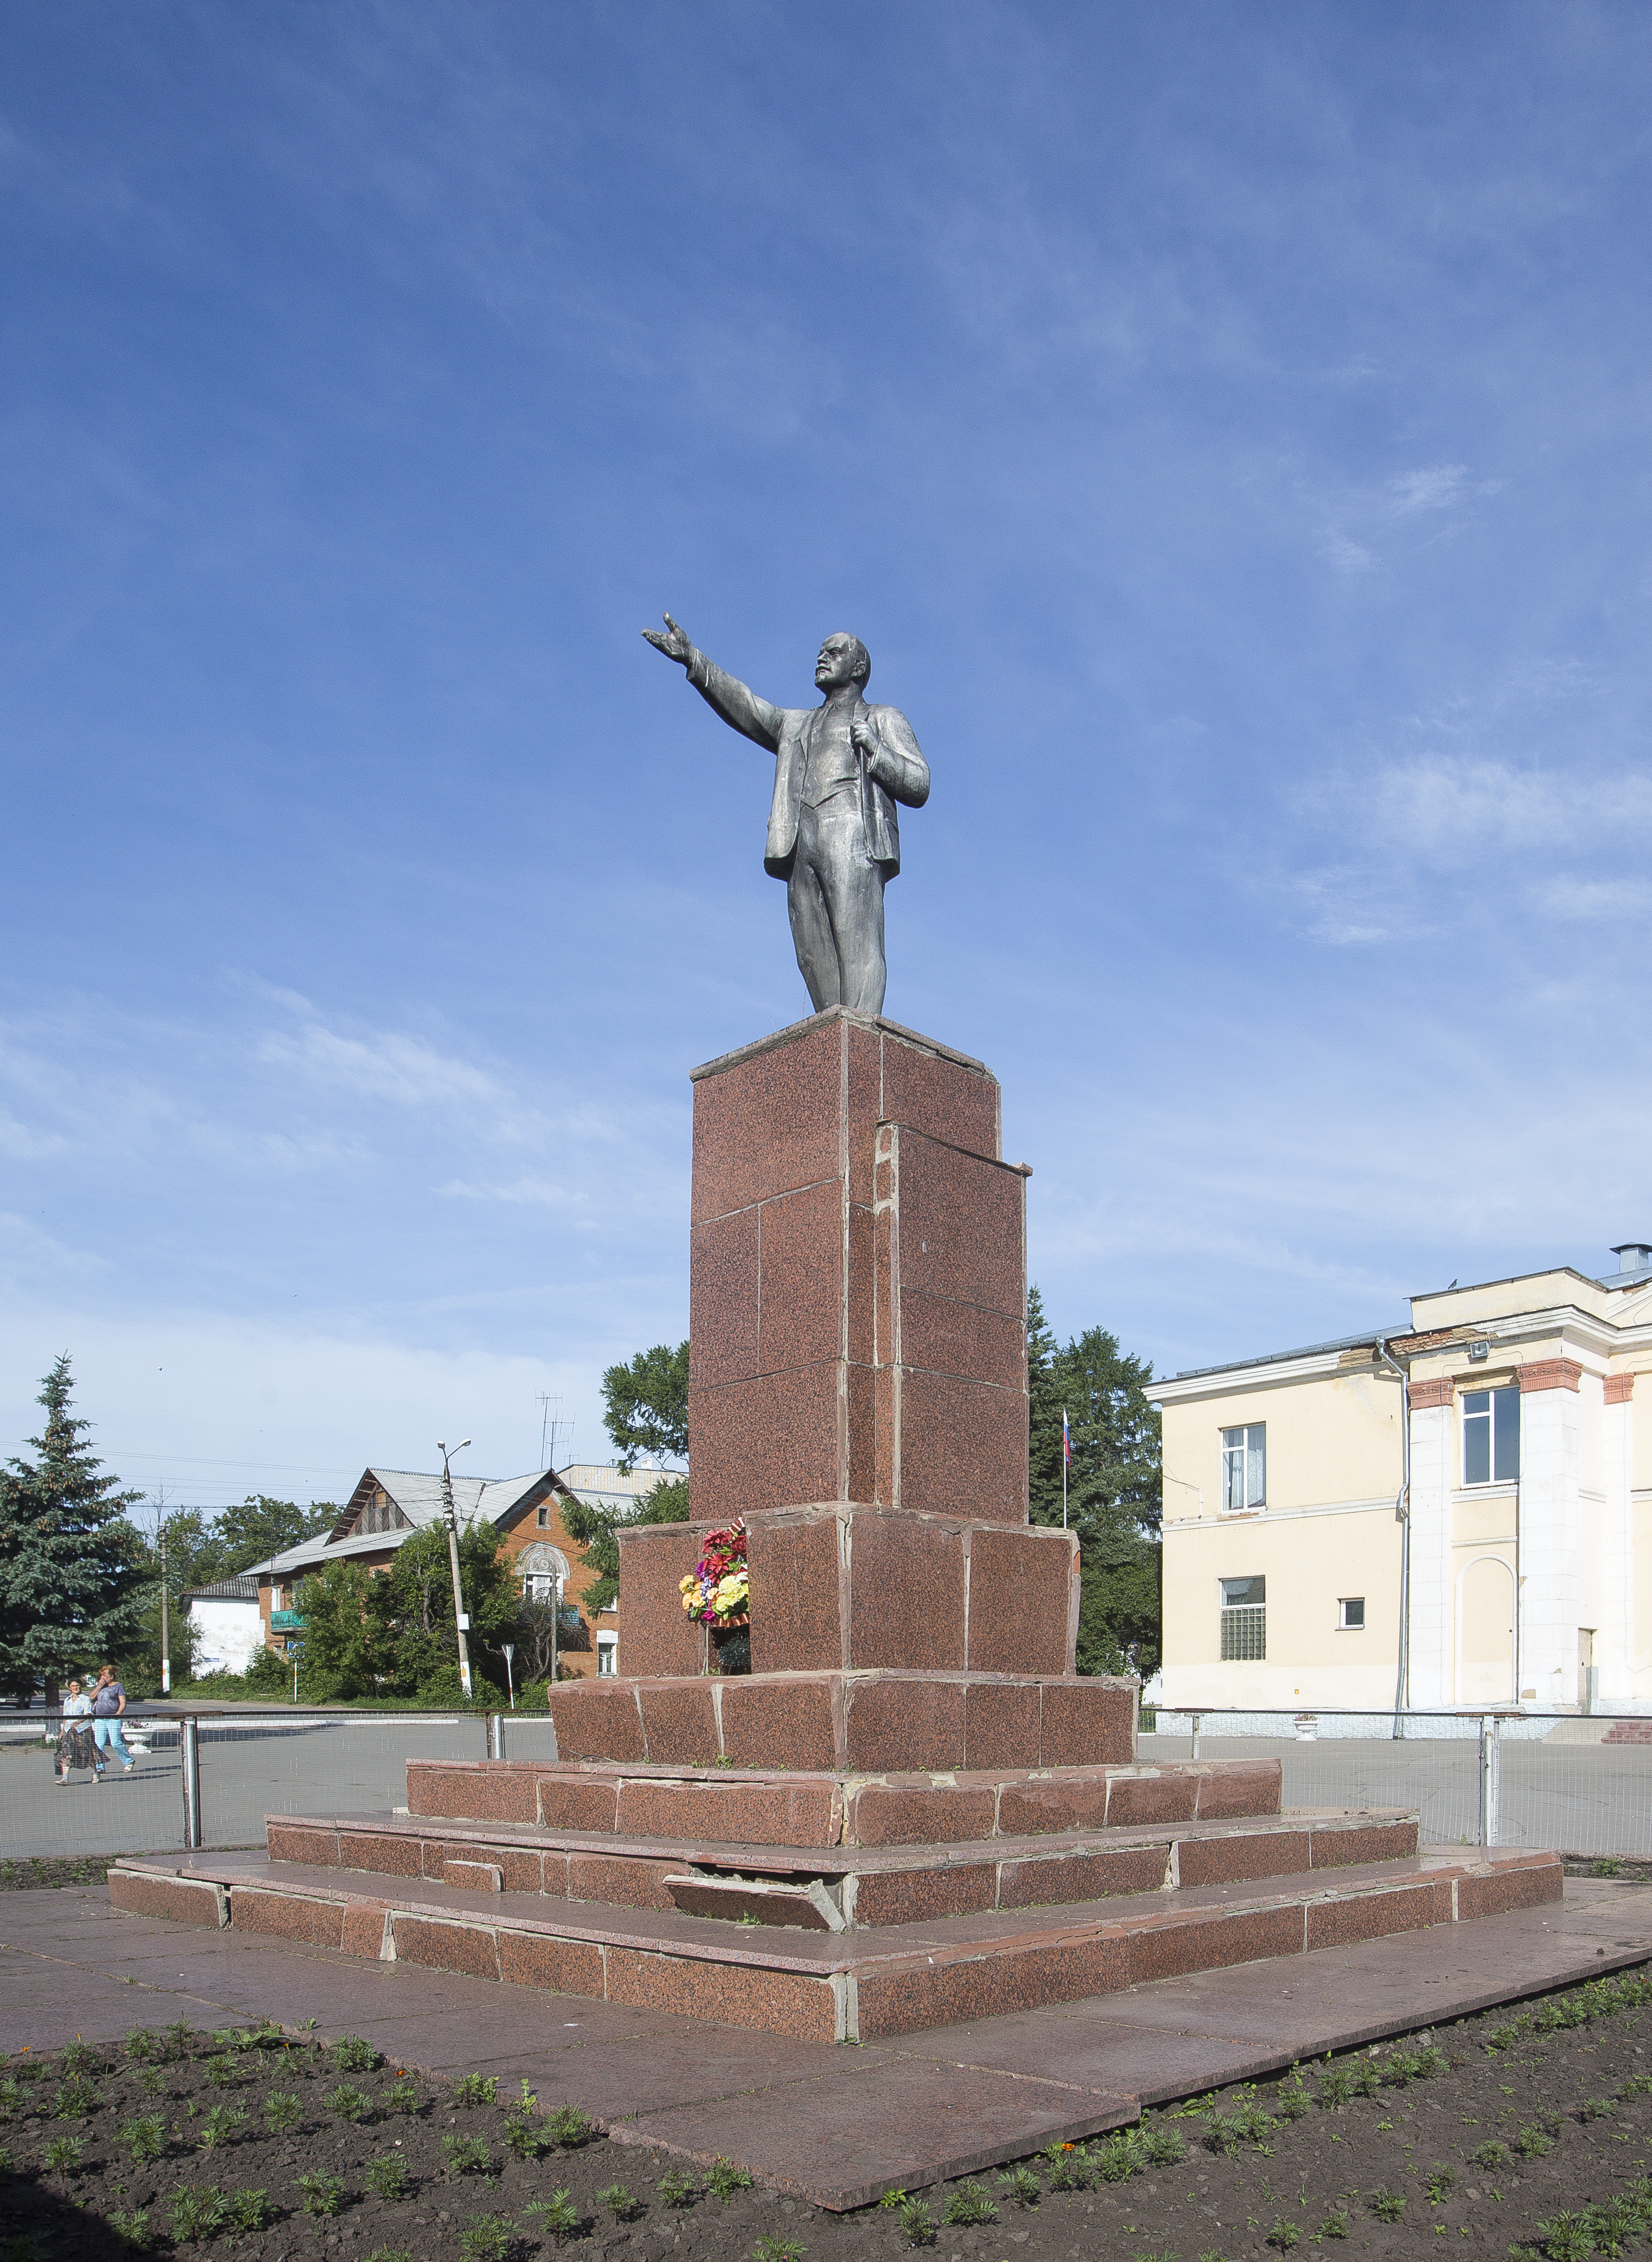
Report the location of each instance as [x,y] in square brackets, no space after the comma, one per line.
[1244,1619]
[1245,1467]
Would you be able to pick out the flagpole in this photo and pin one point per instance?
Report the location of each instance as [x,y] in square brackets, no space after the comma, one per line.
[1065,1451]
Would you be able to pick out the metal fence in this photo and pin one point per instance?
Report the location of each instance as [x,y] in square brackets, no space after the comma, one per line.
[1579,1783]
[209,1779]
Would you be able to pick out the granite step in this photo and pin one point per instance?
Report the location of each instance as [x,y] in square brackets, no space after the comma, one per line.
[845,1887]
[833,1986]
[784,1807]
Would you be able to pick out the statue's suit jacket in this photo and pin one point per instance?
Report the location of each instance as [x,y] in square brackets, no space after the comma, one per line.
[896,772]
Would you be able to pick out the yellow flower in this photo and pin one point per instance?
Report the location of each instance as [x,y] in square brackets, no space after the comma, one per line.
[686,1586]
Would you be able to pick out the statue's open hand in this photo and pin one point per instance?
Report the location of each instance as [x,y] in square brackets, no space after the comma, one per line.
[673,644]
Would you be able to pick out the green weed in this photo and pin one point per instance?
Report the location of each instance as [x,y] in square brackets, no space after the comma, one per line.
[77,2098]
[1438,2184]
[62,2156]
[723,2178]
[219,2126]
[571,2126]
[779,2249]
[486,2239]
[198,2213]
[1596,2108]
[386,2177]
[969,2203]
[1614,2225]
[476,2089]
[1284,2233]
[619,2201]
[917,2224]
[1117,2157]
[678,2187]
[1335,2224]
[281,2111]
[144,2139]
[1163,2148]
[402,2096]
[467,2156]
[1387,2206]
[1532,2144]
[348,2102]
[323,2195]
[1567,2238]
[1491,2155]
[131,2227]
[351,2054]
[1066,2167]
[1023,2186]
[555,2217]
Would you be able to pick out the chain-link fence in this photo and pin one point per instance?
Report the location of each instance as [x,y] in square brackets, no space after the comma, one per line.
[1581,1784]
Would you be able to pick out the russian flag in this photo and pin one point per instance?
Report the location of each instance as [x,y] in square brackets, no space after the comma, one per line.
[1067,1442]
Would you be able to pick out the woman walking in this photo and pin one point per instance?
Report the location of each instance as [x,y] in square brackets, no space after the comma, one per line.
[109,1702]
[75,1748]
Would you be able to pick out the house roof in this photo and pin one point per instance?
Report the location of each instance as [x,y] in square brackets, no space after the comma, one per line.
[1369,1336]
[242,1588]
[417,1495]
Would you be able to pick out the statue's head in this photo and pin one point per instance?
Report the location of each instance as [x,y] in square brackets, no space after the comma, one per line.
[843,659]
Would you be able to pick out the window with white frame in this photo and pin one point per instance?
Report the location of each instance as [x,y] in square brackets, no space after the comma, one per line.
[1491,1436]
[1350,1614]
[1245,1466]
[607,1653]
[1244,1620]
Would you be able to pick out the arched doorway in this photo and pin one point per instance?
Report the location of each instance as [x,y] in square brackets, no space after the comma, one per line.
[1485,1633]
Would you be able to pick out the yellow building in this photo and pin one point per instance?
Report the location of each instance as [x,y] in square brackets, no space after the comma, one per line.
[1313,1562]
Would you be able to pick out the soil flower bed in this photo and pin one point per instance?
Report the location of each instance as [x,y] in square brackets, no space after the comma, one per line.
[1525,2133]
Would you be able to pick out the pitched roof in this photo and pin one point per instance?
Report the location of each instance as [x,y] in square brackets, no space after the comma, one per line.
[242,1588]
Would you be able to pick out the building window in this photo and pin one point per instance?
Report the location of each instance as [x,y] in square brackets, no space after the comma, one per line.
[1350,1614]
[1245,1467]
[1491,1436]
[608,1655]
[544,1516]
[1244,1620]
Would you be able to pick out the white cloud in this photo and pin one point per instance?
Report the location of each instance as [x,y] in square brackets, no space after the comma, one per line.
[1571,897]
[1347,555]
[404,1069]
[1434,488]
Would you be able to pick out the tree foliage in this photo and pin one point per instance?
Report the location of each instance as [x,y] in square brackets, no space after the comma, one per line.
[596,1532]
[1113,1487]
[646,1405]
[392,1632]
[73,1580]
[202,1548]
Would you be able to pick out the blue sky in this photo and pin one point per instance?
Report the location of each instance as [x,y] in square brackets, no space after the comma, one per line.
[1228,430]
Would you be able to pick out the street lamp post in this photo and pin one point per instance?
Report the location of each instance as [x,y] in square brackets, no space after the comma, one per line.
[461,1619]
[510,1678]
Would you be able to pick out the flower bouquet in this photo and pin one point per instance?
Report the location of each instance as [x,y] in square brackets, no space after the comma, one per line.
[718,1594]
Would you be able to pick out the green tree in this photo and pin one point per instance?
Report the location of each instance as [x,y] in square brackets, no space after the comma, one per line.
[348,1652]
[646,1405]
[412,1641]
[73,1580]
[597,1532]
[1113,1487]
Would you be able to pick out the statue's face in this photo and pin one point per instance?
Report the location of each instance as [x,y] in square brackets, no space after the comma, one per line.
[835,665]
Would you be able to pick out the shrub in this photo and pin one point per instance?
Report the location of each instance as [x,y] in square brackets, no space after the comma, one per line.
[1387,2205]
[402,2096]
[1162,2146]
[144,2139]
[77,2098]
[467,2156]
[1335,2224]
[571,2126]
[486,2239]
[1066,2167]
[131,2227]
[348,2102]
[1596,2108]
[62,2156]
[197,2214]
[618,2201]
[779,2249]
[476,2089]
[1284,2233]
[386,2177]
[1439,2182]
[679,2188]
[1567,2238]
[1532,2143]
[281,2111]
[1614,2225]
[351,2054]
[969,2203]
[323,2195]
[555,2217]
[1023,2186]
[917,2224]
[219,2126]
[723,2178]
[1490,2155]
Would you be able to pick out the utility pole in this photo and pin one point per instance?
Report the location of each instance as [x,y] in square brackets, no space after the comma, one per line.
[461,1618]
[160,1541]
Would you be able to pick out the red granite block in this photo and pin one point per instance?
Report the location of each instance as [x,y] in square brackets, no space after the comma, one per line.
[962,1229]
[1234,1787]
[1509,1888]
[554,1875]
[767,1443]
[627,1881]
[920,1896]
[1001,1724]
[1258,1853]
[594,1722]
[301,1842]
[769,1121]
[1088,1723]
[802,1277]
[473,1876]
[1177,1945]
[723,1299]
[1341,1846]
[1030,1810]
[1043,1882]
[1370,1916]
[950,1098]
[363,1929]
[906,1585]
[287,1916]
[442,1945]
[186,1900]
[796,1595]
[962,1439]
[1020,1583]
[386,1853]
[661,1640]
[789,1724]
[863,1106]
[680,1722]
[900,1724]
[1133,1799]
[986,1986]
[577,1802]
[478,1791]
[566,1967]
[943,1336]
[917,1814]
[733,1902]
[759,2000]
[860,1302]
[740,1813]
[521,1868]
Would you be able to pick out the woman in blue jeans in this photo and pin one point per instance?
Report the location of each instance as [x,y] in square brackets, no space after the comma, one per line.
[109,1702]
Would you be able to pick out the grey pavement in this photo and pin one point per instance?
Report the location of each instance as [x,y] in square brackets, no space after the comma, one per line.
[854,2120]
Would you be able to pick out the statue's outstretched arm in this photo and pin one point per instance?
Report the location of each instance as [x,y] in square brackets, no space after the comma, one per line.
[738,705]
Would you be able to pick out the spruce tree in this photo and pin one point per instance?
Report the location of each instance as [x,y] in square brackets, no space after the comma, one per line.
[73,1581]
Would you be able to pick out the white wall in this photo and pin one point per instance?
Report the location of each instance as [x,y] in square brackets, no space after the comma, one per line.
[228,1634]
